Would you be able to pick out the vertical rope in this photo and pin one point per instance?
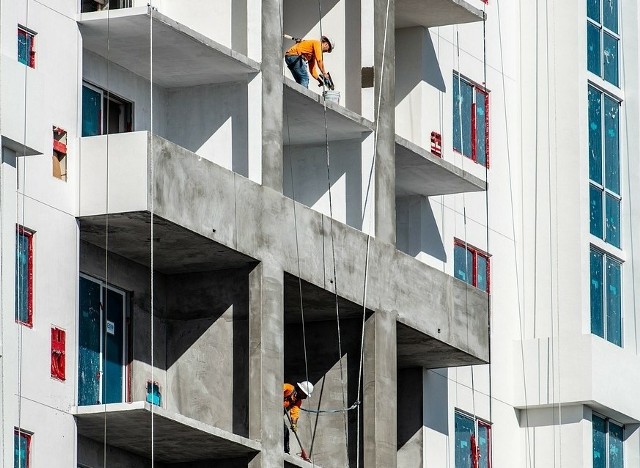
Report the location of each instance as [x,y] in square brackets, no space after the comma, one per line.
[152,206]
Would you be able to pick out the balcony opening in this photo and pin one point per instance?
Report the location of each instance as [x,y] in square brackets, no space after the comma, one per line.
[100,5]
[59,158]
[104,113]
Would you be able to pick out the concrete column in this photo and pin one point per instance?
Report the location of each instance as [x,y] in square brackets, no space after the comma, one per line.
[385,83]
[266,363]
[272,104]
[380,391]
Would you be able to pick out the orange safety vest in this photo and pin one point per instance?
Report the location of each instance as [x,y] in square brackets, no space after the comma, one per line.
[291,402]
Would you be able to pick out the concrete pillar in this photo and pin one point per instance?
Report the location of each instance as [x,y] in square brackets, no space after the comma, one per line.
[266,363]
[380,391]
[272,104]
[385,83]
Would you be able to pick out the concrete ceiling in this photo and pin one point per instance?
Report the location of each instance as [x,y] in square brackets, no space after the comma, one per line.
[304,118]
[176,250]
[181,56]
[431,13]
[419,172]
[176,438]
[416,349]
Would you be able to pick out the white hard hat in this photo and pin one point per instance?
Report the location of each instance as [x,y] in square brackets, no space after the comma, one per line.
[306,387]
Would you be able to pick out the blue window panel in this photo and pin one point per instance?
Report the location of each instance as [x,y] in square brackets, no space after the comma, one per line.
[612,144]
[616,434]
[599,442]
[20,449]
[593,9]
[595,211]
[91,112]
[153,394]
[596,294]
[481,127]
[114,352]
[614,302]
[89,343]
[612,209]
[22,277]
[610,16]
[593,49]
[483,445]
[463,264]
[610,58]
[25,45]
[462,106]
[481,273]
[464,427]
[595,135]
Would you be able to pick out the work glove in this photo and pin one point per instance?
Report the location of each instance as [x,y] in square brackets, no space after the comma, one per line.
[320,81]
[294,427]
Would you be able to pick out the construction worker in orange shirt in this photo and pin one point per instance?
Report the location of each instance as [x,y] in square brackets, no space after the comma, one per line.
[293,396]
[308,53]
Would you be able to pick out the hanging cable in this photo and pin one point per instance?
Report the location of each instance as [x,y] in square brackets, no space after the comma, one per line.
[151,206]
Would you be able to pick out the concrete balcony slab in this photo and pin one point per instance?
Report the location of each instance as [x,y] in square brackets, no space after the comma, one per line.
[304,118]
[419,172]
[258,223]
[181,56]
[432,13]
[176,438]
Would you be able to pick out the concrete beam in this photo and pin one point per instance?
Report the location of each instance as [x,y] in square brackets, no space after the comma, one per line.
[432,13]
[385,110]
[266,363]
[380,391]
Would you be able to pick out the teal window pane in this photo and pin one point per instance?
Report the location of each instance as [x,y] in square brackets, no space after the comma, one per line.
[593,48]
[596,294]
[614,302]
[483,445]
[481,273]
[610,58]
[612,209]
[463,264]
[91,112]
[24,47]
[599,442]
[464,428]
[595,211]
[612,144]
[481,127]
[593,10]
[462,105]
[20,449]
[616,434]
[22,277]
[610,15]
[595,135]
[153,394]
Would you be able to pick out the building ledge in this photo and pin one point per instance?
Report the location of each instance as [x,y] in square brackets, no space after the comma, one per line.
[176,438]
[303,121]
[419,172]
[432,13]
[182,57]
[294,460]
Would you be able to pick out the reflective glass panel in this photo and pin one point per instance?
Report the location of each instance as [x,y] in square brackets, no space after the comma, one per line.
[593,48]
[481,273]
[616,435]
[610,15]
[610,58]
[612,209]
[599,442]
[596,284]
[614,302]
[595,211]
[462,105]
[22,278]
[484,433]
[612,144]
[462,263]
[595,135]
[593,10]
[464,431]
[481,127]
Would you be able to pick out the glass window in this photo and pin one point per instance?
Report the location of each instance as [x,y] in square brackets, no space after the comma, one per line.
[24,276]
[596,213]
[612,208]
[602,39]
[26,48]
[612,144]
[471,265]
[606,297]
[484,445]
[470,120]
[608,442]
[464,431]
[472,450]
[595,135]
[21,448]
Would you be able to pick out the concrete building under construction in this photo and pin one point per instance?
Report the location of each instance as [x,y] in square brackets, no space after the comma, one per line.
[184,228]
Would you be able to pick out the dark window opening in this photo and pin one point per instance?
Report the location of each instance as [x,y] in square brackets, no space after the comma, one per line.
[99,5]
[104,113]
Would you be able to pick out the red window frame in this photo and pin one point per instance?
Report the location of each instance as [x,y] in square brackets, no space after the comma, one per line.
[474,119]
[21,230]
[21,433]
[58,353]
[475,252]
[32,50]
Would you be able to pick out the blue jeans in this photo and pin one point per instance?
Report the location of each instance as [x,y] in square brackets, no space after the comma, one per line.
[298,68]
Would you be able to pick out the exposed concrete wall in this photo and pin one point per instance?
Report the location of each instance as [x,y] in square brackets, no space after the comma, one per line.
[207,348]
[91,454]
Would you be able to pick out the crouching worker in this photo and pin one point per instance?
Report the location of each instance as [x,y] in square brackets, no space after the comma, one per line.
[308,52]
[293,396]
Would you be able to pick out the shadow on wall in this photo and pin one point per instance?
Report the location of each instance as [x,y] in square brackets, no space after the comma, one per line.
[416,61]
[305,178]
[301,16]
[417,229]
[211,121]
[436,400]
